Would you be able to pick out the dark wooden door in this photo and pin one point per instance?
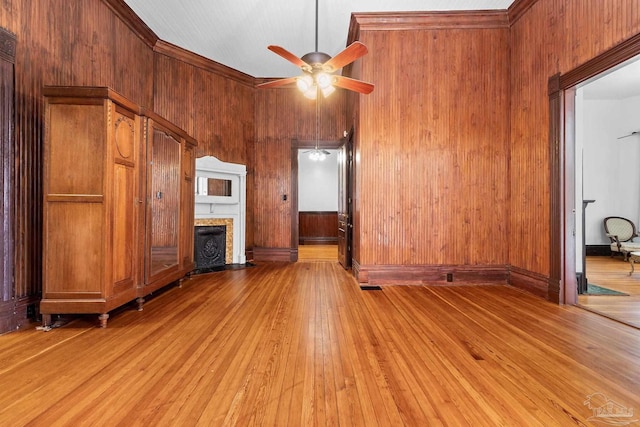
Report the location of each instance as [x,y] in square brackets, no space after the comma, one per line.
[345,212]
[8,320]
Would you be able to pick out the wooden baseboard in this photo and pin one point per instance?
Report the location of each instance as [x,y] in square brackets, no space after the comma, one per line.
[534,283]
[18,314]
[318,241]
[430,274]
[275,254]
[598,250]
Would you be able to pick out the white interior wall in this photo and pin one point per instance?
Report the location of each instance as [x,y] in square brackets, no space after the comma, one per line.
[317,183]
[611,174]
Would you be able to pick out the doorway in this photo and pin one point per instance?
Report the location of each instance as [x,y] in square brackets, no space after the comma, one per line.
[581,202]
[315,200]
[607,154]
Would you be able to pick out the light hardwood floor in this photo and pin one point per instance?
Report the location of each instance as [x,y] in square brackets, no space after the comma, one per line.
[318,253]
[300,344]
[613,273]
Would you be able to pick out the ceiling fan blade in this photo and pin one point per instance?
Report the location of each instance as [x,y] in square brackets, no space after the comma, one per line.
[352,52]
[352,84]
[279,82]
[288,56]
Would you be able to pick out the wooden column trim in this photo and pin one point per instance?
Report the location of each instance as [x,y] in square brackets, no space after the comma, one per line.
[9,318]
[295,231]
[555,185]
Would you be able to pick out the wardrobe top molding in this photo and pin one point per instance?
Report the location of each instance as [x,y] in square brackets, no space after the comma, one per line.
[96,94]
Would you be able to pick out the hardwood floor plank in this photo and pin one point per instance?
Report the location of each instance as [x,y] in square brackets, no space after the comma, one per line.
[301,344]
[613,273]
[311,253]
[458,372]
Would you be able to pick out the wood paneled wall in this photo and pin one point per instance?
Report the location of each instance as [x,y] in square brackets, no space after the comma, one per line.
[451,147]
[432,153]
[102,43]
[61,42]
[550,37]
[214,106]
[282,115]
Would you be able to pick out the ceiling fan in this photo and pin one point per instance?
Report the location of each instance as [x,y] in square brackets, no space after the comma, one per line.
[318,68]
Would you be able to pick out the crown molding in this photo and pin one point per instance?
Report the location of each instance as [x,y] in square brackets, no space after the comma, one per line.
[133,21]
[176,52]
[137,25]
[399,21]
[518,8]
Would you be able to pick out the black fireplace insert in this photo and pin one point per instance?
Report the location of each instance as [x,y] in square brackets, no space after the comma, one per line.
[210,248]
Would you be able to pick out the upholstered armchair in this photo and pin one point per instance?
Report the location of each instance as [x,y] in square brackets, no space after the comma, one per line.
[621,233]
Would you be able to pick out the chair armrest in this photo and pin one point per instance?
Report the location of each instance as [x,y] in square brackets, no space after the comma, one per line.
[614,239]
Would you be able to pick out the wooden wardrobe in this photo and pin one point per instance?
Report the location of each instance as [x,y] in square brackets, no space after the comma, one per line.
[118,202]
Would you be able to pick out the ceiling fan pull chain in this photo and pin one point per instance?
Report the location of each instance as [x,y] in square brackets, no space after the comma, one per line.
[317,116]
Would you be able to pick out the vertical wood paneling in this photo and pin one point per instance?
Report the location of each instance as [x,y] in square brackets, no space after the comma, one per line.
[551,37]
[61,42]
[432,148]
[280,116]
[528,242]
[216,110]
[85,43]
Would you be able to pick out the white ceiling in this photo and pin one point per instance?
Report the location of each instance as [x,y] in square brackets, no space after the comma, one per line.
[236,33]
[619,83]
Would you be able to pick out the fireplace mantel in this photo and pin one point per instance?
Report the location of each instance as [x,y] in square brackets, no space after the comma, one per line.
[228,207]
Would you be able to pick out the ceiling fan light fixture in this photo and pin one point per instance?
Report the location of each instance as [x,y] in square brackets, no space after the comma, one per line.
[327,90]
[312,92]
[323,80]
[304,83]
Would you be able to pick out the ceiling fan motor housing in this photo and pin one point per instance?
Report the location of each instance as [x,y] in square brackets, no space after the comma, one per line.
[316,59]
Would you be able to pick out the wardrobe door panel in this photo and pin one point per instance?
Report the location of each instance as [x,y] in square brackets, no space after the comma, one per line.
[163,202]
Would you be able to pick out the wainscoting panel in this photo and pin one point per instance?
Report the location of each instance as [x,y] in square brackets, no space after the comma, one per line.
[318,228]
